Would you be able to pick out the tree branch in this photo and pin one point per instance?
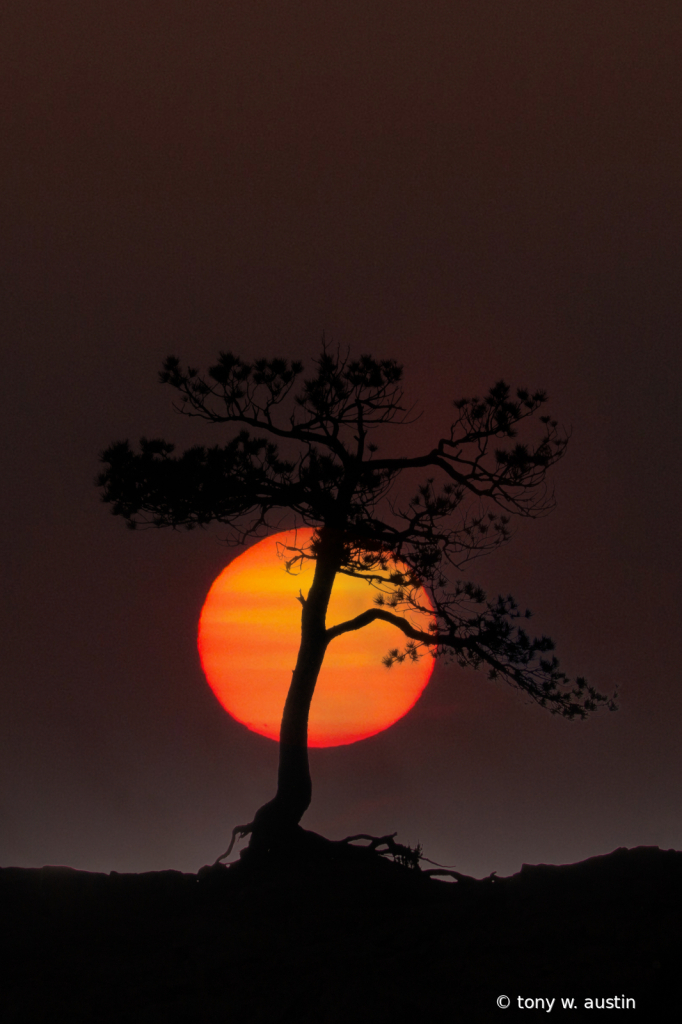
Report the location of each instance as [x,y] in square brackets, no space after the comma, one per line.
[372,614]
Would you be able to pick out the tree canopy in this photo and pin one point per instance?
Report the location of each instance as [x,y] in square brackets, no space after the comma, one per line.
[304,446]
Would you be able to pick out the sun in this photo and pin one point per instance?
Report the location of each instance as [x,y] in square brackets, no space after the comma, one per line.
[249,633]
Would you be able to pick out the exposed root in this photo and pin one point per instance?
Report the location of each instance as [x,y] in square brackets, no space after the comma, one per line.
[404,855]
[299,845]
[409,857]
[431,872]
[239,830]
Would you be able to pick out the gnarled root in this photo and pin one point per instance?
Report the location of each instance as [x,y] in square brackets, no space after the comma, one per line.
[411,858]
[274,829]
[404,855]
[239,830]
[274,834]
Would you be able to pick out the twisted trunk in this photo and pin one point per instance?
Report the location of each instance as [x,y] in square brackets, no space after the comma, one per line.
[276,821]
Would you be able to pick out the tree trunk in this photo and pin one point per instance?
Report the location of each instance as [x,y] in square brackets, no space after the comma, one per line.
[276,822]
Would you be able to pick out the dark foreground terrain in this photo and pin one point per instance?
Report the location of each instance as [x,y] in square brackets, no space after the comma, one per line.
[361,939]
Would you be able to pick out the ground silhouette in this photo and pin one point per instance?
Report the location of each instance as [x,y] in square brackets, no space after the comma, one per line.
[345,937]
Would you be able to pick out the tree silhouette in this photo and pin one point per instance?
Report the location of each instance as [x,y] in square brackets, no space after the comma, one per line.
[303,445]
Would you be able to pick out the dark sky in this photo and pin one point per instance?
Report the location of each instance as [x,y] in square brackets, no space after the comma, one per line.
[480,189]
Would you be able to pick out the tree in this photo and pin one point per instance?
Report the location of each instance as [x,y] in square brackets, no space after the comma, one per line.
[302,444]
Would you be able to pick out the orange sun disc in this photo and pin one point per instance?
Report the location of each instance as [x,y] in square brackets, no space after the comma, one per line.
[249,634]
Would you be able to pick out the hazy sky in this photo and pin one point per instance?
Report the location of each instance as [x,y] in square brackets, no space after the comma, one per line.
[481,189]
